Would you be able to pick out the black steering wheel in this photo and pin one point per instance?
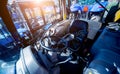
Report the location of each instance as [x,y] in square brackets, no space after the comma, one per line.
[53,43]
[57,44]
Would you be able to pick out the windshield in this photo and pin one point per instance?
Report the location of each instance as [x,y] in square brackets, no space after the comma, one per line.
[86,2]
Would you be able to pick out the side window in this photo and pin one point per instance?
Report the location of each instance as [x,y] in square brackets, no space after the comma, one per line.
[34,17]
[49,13]
[5,36]
[57,8]
[19,21]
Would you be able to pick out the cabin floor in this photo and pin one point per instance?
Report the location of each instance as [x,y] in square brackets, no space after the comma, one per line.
[69,68]
[7,61]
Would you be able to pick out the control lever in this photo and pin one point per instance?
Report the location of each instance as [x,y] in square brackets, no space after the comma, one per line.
[68,59]
[69,37]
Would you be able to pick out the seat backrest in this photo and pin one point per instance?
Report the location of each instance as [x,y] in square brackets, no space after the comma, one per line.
[80,27]
[109,40]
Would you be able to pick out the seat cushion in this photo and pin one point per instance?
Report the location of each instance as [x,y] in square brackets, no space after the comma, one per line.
[109,57]
[100,67]
[108,40]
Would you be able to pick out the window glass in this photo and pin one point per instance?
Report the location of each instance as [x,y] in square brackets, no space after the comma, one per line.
[19,21]
[34,17]
[86,2]
[5,36]
[49,13]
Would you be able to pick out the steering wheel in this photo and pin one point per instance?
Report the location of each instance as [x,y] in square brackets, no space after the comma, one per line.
[57,44]
[74,45]
[53,43]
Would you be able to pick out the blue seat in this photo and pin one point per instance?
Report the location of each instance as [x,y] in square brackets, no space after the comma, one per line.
[100,67]
[108,40]
[109,57]
[106,53]
[105,62]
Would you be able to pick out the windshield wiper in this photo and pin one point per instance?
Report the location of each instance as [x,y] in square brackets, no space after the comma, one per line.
[101,5]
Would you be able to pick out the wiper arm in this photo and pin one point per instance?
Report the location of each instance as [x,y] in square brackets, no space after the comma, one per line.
[101,5]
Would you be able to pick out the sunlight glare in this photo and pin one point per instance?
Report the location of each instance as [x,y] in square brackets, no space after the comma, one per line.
[38,1]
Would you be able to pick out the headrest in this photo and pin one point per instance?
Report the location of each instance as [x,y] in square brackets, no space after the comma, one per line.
[78,25]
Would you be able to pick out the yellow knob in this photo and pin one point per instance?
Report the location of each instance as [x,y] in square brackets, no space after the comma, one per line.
[117,16]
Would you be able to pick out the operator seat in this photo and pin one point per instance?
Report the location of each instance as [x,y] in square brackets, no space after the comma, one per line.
[80,30]
[105,62]
[105,53]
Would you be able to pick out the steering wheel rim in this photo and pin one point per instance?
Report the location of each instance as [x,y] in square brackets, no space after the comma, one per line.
[71,40]
[49,48]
